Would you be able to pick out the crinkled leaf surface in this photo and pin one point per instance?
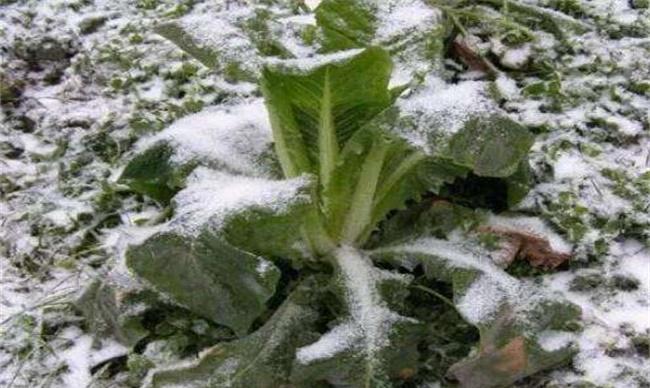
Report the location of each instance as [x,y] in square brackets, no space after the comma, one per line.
[262,359]
[372,343]
[315,112]
[509,313]
[493,146]
[331,119]
[346,24]
[388,172]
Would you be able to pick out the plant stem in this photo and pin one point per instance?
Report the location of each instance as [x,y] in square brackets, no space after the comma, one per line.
[327,144]
[360,213]
[436,294]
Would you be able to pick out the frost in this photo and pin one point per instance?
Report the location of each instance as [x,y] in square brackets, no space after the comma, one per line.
[370,320]
[611,316]
[517,57]
[482,299]
[626,126]
[440,109]
[305,65]
[399,18]
[341,338]
[212,196]
[232,136]
[570,166]
[507,87]
[82,356]
[552,340]
[221,32]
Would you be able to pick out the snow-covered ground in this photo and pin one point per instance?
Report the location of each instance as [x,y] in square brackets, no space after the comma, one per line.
[83,81]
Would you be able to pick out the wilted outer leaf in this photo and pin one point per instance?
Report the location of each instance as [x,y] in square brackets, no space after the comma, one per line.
[431,217]
[373,343]
[193,259]
[236,44]
[207,275]
[492,146]
[262,359]
[235,138]
[533,248]
[509,313]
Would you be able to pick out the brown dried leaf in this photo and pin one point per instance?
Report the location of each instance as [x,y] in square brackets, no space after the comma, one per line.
[530,247]
[469,56]
[493,368]
[512,357]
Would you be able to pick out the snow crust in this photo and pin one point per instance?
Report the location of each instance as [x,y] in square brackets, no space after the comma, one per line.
[440,109]
[234,137]
[400,18]
[305,65]
[488,292]
[610,316]
[370,322]
[211,196]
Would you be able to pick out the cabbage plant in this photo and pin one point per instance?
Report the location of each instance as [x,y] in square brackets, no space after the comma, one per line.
[303,229]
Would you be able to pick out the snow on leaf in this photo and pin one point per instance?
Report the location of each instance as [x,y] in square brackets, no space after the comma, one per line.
[234,138]
[369,338]
[212,197]
[262,359]
[193,261]
[407,28]
[509,313]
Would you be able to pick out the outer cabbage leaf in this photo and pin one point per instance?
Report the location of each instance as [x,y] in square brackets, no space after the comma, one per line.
[493,146]
[346,24]
[233,138]
[412,31]
[152,173]
[509,313]
[262,359]
[234,45]
[177,35]
[207,275]
[373,343]
[192,259]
